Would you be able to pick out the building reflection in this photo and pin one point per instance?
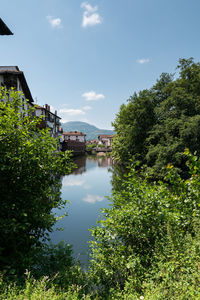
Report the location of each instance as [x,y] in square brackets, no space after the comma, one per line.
[102,162]
[80,163]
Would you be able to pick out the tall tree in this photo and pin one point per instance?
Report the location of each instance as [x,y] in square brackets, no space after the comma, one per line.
[132,125]
[30,172]
[167,124]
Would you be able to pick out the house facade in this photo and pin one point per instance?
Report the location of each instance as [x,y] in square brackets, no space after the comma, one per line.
[12,77]
[74,140]
[94,141]
[106,140]
[50,120]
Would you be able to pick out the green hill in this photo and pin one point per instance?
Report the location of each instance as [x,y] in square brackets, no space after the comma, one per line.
[91,131]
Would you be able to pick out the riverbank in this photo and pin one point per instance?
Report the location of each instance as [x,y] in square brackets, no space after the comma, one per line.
[147,247]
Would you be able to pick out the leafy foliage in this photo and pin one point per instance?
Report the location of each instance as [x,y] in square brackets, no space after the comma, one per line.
[147,243]
[147,247]
[146,227]
[89,147]
[158,124]
[40,289]
[56,262]
[30,172]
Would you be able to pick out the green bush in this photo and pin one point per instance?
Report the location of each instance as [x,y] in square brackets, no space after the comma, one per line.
[39,289]
[30,181]
[146,247]
[101,146]
[90,147]
[147,221]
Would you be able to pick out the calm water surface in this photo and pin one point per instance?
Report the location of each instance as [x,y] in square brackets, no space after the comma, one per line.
[86,188]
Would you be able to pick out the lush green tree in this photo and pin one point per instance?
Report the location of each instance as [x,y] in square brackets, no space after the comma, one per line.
[158,124]
[30,181]
[132,125]
[89,147]
[145,222]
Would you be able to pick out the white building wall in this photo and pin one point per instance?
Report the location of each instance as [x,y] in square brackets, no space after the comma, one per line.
[81,138]
[50,124]
[107,141]
[19,89]
[73,138]
[39,112]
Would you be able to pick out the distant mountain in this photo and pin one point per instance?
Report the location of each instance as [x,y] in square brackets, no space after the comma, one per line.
[91,131]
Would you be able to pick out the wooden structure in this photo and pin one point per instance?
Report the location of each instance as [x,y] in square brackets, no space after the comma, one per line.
[4,30]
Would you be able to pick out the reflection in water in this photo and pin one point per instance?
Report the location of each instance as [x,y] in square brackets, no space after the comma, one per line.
[92,161]
[72,182]
[119,174]
[81,165]
[105,161]
[93,198]
[86,189]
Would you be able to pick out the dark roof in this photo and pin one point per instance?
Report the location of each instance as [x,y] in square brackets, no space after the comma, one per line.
[74,133]
[14,70]
[4,30]
[43,108]
[109,136]
[94,140]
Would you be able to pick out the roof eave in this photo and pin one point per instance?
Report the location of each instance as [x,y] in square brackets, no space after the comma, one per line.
[4,30]
[25,87]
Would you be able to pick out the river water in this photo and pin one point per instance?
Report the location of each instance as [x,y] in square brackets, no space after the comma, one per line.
[86,188]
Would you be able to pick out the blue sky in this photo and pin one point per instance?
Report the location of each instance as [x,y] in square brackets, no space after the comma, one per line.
[86,58]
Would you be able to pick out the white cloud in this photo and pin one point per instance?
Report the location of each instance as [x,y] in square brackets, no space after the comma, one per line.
[143,60]
[92,96]
[72,182]
[93,198]
[89,7]
[71,112]
[87,107]
[54,22]
[91,20]
[91,16]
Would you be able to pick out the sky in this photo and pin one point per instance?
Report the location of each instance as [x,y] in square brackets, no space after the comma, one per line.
[86,58]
